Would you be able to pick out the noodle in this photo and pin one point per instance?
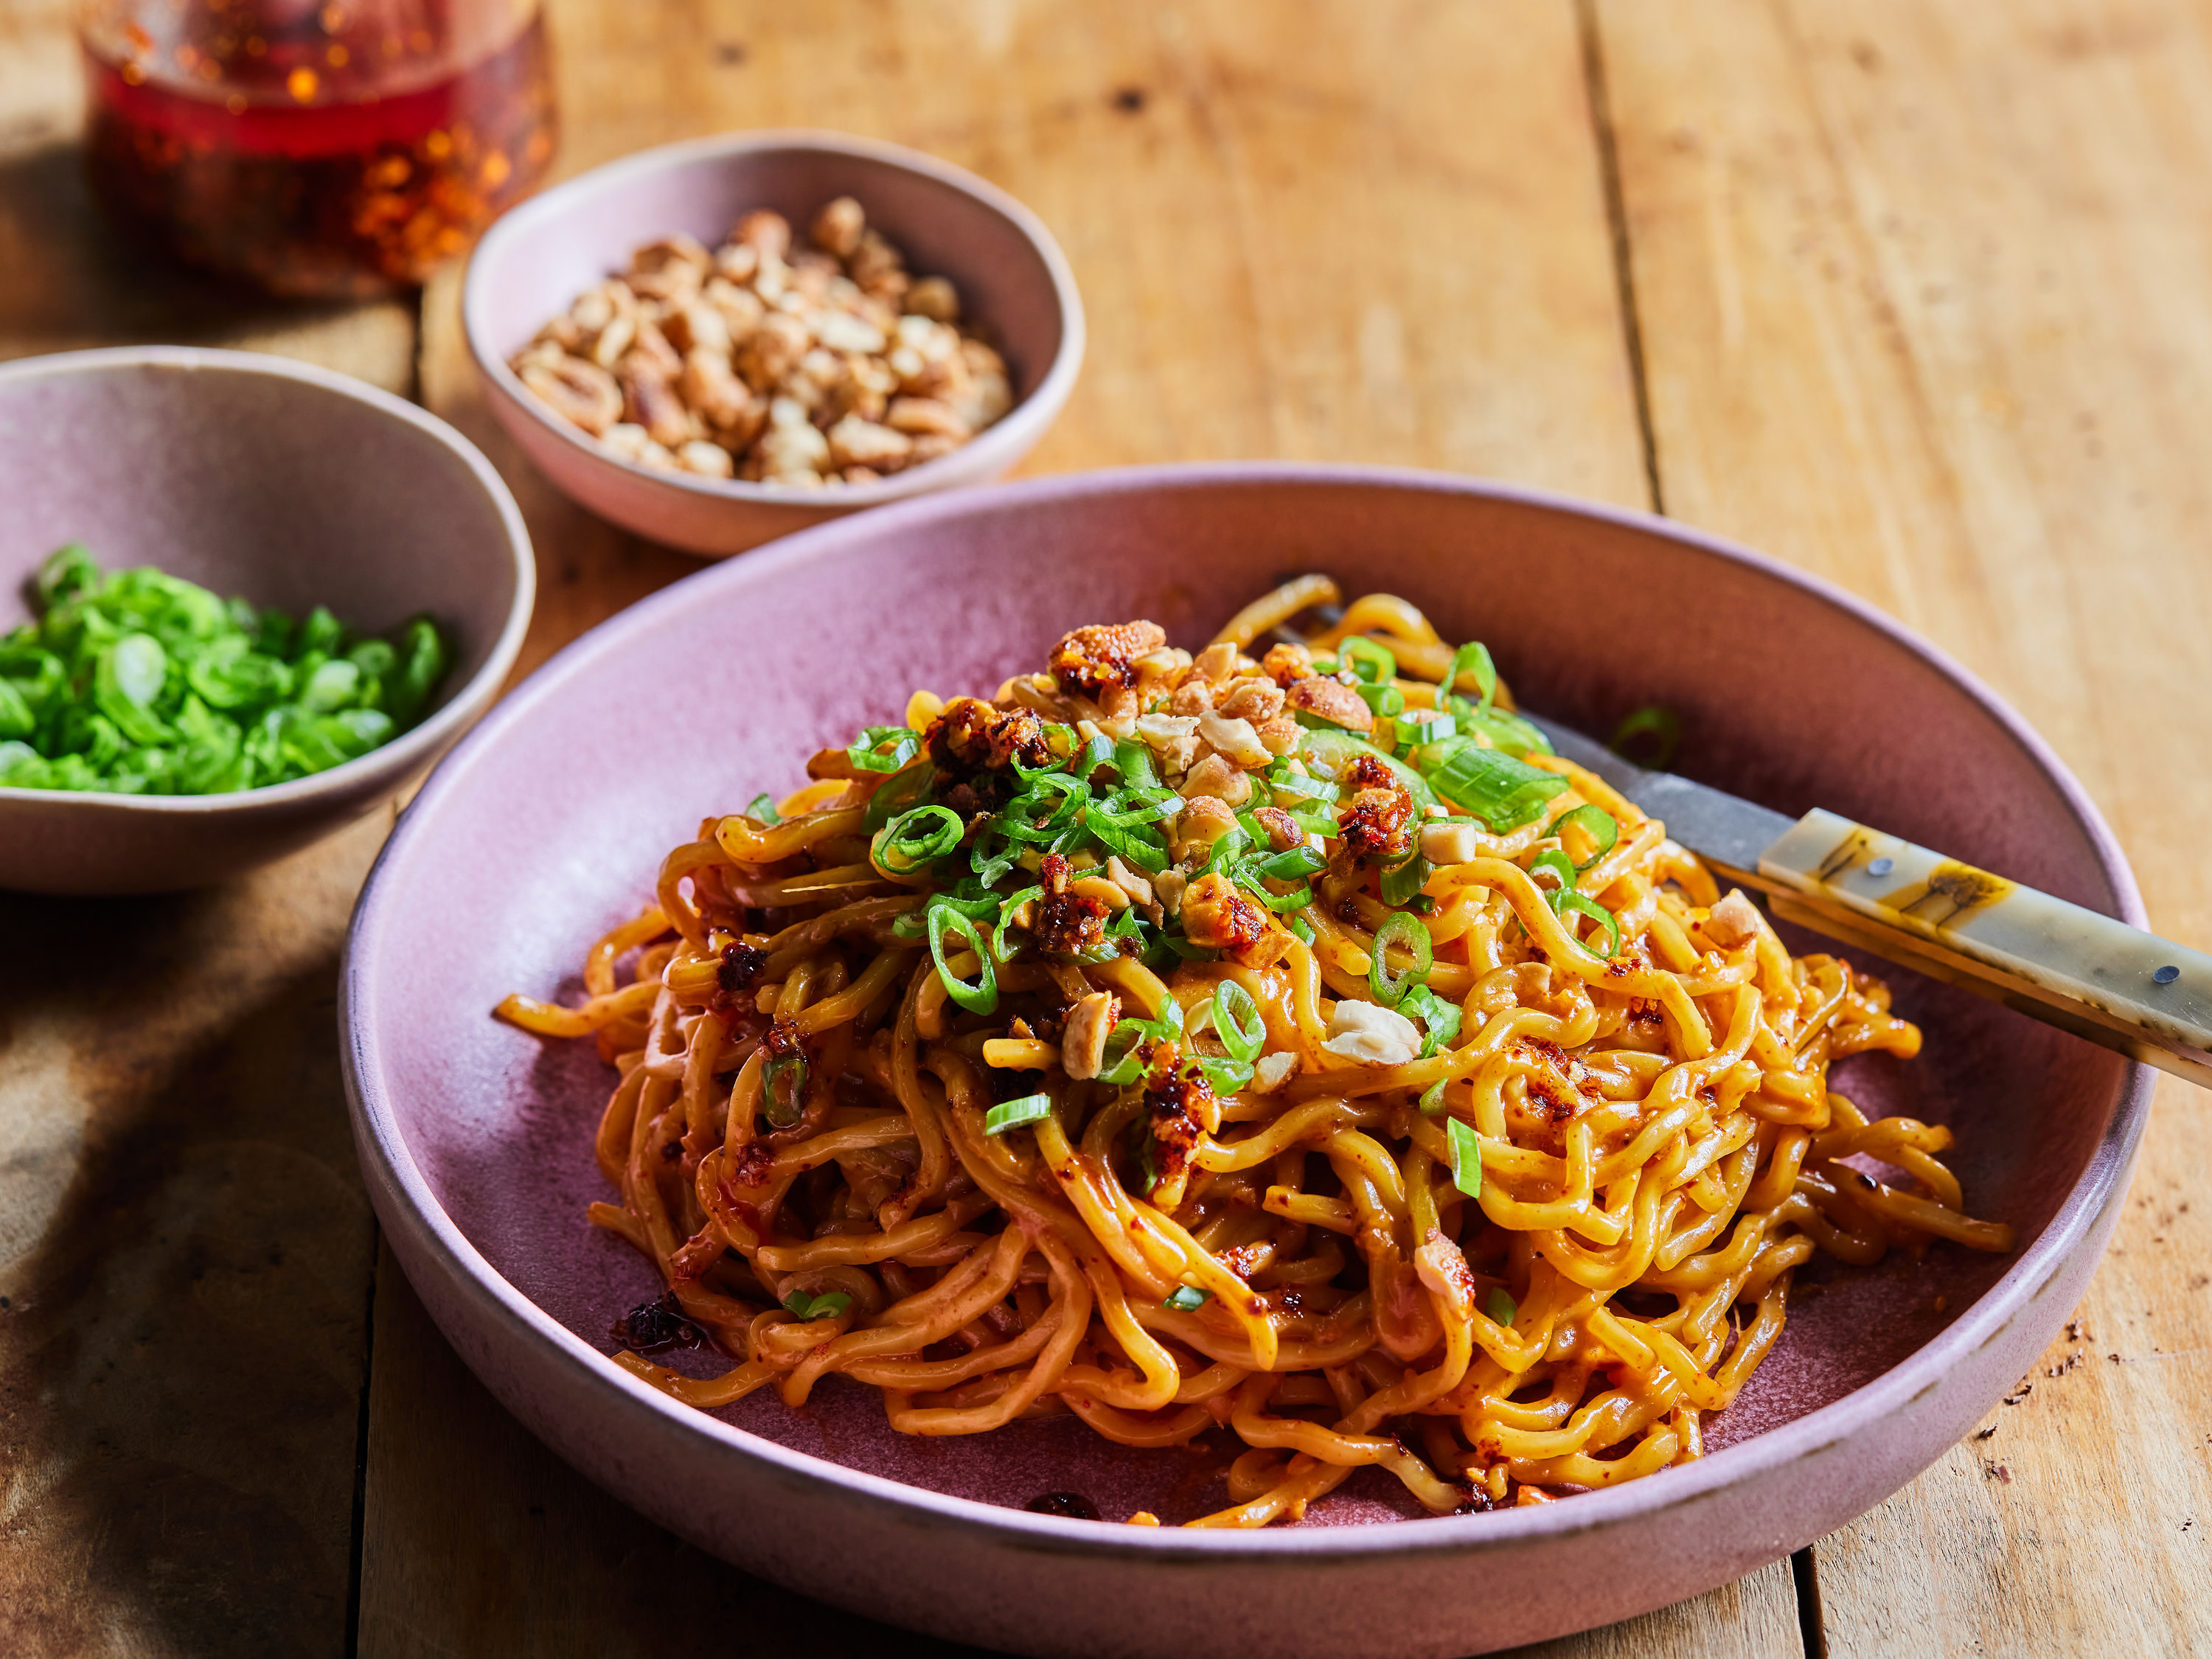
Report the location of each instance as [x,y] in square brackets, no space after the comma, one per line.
[1293,1047]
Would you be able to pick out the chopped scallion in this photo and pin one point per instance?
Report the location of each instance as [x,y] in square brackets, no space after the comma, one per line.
[828,1305]
[1013,1114]
[1439,1018]
[982,997]
[1503,791]
[901,793]
[1558,866]
[1407,933]
[1188,1299]
[1499,1305]
[783,1089]
[1402,880]
[1465,1156]
[1237,1021]
[1371,662]
[883,748]
[1224,1076]
[1473,657]
[1564,903]
[761,809]
[914,838]
[1600,825]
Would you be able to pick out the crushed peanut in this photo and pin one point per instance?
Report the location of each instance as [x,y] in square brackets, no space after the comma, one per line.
[795,368]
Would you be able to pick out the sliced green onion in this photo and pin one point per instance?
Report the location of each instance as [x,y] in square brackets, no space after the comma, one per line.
[1226,853]
[1427,725]
[1407,933]
[1283,781]
[1021,821]
[828,1305]
[761,809]
[1135,762]
[1169,1017]
[1247,876]
[1503,791]
[1385,701]
[1600,825]
[787,1107]
[1499,1305]
[1224,1076]
[1558,866]
[1293,865]
[913,839]
[1301,929]
[1402,880]
[1123,1064]
[1006,913]
[1098,752]
[883,748]
[1509,733]
[1570,901]
[1188,1299]
[1370,660]
[907,790]
[1654,728]
[1237,1021]
[982,997]
[1120,833]
[1013,1114]
[1465,1156]
[1432,1098]
[1440,1019]
[1473,657]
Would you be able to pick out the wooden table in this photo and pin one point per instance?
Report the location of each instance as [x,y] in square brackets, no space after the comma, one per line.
[1912,294]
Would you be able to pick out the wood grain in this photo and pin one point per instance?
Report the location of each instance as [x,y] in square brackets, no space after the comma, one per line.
[184,1259]
[1921,290]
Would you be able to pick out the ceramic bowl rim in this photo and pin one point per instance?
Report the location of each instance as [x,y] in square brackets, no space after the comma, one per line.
[1009,433]
[411,747]
[1918,1374]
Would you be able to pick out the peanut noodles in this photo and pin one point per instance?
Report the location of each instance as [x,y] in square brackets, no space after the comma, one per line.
[1281,1039]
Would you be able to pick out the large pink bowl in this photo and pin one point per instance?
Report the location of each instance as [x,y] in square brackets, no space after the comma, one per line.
[547,825]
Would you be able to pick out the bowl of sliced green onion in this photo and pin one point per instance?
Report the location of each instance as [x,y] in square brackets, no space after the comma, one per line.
[247,601]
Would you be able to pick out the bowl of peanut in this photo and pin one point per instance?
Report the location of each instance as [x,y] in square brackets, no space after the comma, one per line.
[716,343]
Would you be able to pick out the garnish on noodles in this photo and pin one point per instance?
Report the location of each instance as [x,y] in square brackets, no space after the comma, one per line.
[1280,1041]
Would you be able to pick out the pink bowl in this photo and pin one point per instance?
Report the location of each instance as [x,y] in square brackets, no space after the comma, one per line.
[547,825]
[531,265]
[272,479]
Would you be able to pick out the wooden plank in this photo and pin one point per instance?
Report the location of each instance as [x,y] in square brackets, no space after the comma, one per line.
[1921,290]
[1298,234]
[1755,1617]
[185,1260]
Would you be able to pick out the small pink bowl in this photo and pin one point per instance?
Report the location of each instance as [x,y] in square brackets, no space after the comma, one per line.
[278,481]
[535,260]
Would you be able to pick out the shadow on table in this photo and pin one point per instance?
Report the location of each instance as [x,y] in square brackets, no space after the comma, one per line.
[184,1254]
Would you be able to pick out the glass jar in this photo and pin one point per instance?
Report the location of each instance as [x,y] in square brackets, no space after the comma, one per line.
[341,149]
